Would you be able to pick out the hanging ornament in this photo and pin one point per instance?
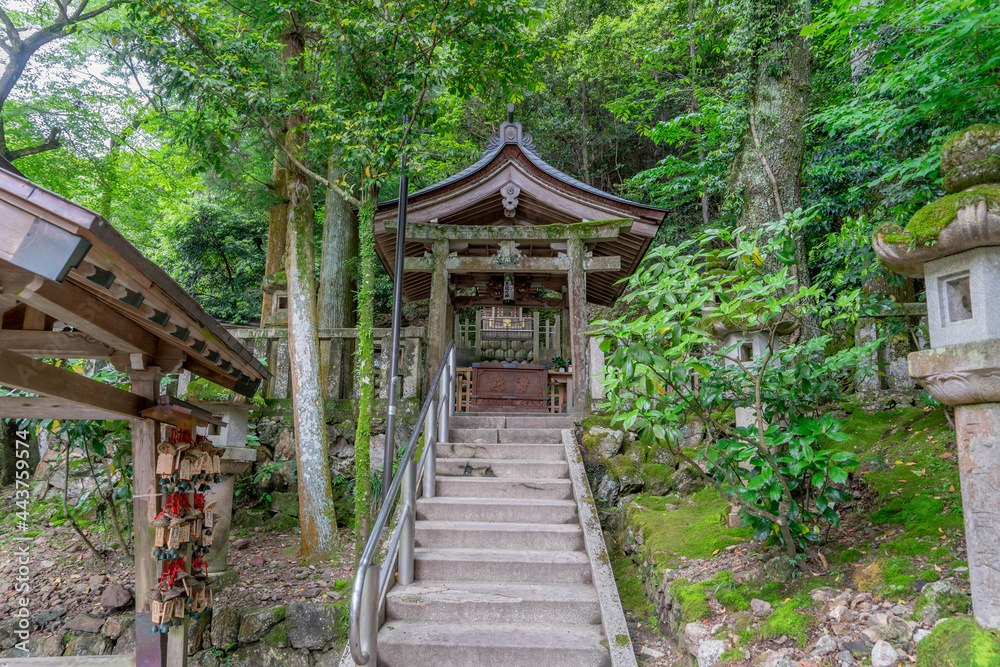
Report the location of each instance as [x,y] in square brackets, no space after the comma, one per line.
[508,289]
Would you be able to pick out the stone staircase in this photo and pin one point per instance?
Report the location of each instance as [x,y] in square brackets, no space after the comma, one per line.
[502,571]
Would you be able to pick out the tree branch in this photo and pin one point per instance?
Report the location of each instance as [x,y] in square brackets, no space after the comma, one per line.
[15,36]
[50,144]
[306,170]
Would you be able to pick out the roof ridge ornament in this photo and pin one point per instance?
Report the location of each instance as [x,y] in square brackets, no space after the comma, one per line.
[510,193]
[510,132]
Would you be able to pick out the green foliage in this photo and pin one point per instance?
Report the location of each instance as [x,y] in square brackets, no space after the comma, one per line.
[217,259]
[903,75]
[665,364]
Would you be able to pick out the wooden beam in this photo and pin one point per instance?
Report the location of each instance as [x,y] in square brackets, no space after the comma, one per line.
[525,302]
[588,231]
[20,372]
[54,344]
[85,313]
[23,407]
[523,265]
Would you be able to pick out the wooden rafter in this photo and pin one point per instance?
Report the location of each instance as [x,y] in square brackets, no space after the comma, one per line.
[20,372]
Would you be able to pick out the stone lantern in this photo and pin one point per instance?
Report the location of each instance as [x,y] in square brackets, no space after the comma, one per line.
[954,244]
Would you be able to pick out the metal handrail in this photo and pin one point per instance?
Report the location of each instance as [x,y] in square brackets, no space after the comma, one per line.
[371,583]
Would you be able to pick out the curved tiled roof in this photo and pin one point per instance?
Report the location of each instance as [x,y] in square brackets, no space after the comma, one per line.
[527,146]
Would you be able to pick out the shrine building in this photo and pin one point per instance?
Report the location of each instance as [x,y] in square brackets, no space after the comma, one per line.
[509,253]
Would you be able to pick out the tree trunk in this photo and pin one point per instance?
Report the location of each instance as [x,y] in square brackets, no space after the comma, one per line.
[277,233]
[340,241]
[317,518]
[767,172]
[696,107]
[366,371]
[586,134]
[8,453]
[318,522]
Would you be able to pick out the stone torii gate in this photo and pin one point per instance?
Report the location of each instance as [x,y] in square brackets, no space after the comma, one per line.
[510,216]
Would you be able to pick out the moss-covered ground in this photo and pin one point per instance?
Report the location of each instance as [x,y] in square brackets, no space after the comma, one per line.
[695,529]
[959,642]
[904,526]
[908,462]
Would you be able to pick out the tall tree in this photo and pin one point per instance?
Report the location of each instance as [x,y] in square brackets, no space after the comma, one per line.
[776,85]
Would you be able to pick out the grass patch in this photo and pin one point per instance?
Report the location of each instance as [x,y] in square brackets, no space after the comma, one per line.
[847,557]
[691,531]
[630,589]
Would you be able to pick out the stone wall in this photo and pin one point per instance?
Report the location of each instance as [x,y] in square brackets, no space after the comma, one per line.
[300,634]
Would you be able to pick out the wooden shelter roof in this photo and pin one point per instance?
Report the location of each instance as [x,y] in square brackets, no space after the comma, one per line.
[60,262]
[482,195]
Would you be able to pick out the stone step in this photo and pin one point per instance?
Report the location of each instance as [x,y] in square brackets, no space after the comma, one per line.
[493,535]
[488,421]
[503,487]
[417,644]
[505,435]
[487,602]
[475,421]
[546,567]
[501,468]
[542,421]
[506,510]
[469,450]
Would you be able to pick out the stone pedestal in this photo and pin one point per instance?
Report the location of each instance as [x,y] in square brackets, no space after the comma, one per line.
[966,376]
[235,460]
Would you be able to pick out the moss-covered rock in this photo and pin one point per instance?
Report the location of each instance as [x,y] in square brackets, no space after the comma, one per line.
[659,452]
[285,503]
[959,642]
[969,174]
[624,470]
[940,599]
[277,636]
[604,441]
[973,143]
[256,623]
[689,601]
[687,480]
[927,223]
[656,479]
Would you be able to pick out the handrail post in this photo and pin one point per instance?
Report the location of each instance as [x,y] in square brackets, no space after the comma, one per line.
[430,450]
[406,535]
[442,406]
[452,374]
[368,617]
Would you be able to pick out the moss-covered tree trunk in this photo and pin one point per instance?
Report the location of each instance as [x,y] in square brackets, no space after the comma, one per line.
[8,451]
[317,518]
[766,175]
[365,370]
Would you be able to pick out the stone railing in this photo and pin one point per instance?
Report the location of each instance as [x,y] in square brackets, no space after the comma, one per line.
[337,360]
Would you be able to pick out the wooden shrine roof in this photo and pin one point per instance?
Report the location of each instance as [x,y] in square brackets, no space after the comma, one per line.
[60,262]
[511,186]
